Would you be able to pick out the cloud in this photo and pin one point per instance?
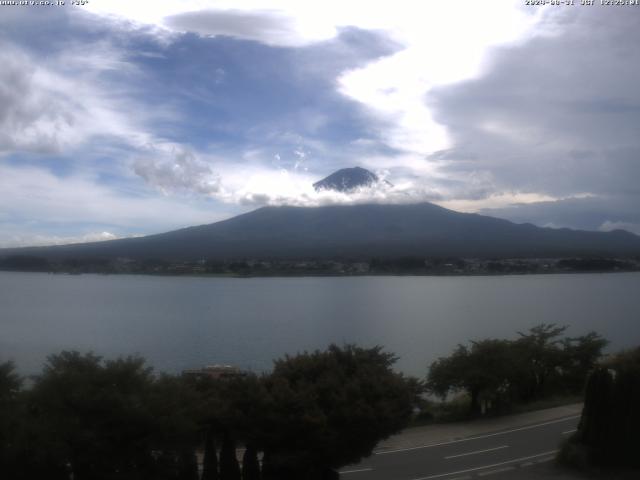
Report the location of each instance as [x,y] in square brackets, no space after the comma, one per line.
[254,184]
[180,173]
[242,102]
[36,201]
[269,27]
[330,62]
[548,120]
[281,23]
[595,212]
[34,114]
[36,240]
[440,43]
[608,226]
[60,104]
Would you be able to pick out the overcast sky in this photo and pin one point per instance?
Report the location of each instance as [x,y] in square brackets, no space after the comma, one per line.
[123,118]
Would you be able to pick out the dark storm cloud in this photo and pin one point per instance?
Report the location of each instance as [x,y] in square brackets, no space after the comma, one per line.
[557,115]
[594,213]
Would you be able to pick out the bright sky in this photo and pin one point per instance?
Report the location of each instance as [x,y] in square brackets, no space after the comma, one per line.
[123,118]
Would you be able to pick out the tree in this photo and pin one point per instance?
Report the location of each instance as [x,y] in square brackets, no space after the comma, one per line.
[173,404]
[10,384]
[610,419]
[188,465]
[231,410]
[94,413]
[328,409]
[108,419]
[250,464]
[538,357]
[210,460]
[484,371]
[229,467]
[580,356]
[495,373]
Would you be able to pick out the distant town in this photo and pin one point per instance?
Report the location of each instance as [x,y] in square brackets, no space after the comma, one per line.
[342,267]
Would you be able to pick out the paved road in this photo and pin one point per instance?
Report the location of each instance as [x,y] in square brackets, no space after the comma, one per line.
[509,453]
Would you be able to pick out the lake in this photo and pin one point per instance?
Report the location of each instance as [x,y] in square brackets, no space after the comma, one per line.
[186,322]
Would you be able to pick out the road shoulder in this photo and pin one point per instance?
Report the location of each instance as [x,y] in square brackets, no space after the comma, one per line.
[447,432]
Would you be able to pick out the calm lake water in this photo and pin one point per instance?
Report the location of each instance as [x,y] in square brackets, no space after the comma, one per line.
[184,322]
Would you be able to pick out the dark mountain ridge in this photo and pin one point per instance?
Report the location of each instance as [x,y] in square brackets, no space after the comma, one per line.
[354,232]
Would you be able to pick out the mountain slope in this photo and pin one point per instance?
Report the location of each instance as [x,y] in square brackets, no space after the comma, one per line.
[356,231]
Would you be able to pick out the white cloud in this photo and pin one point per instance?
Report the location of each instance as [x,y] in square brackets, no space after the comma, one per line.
[60,104]
[252,183]
[177,171]
[67,101]
[501,200]
[36,240]
[444,42]
[54,203]
[281,23]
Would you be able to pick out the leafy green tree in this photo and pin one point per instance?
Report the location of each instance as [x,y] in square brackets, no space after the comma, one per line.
[111,419]
[173,404]
[94,415]
[580,357]
[328,409]
[484,370]
[495,373]
[230,409]
[538,356]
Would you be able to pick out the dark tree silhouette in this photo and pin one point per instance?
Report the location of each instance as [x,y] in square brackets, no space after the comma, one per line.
[495,373]
[210,460]
[608,429]
[188,465]
[229,467]
[328,409]
[250,464]
[484,371]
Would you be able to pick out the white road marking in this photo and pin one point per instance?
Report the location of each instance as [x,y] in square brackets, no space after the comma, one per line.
[570,431]
[487,466]
[356,471]
[498,470]
[476,452]
[479,437]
